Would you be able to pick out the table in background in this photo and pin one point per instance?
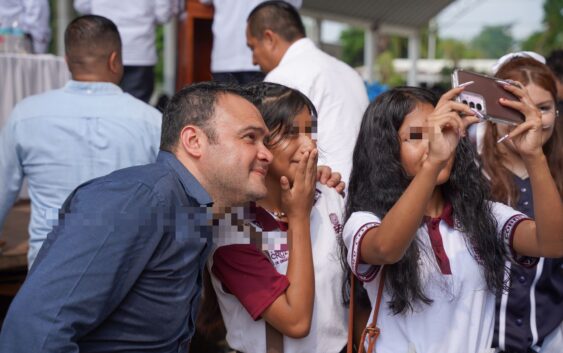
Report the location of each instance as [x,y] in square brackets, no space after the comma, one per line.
[23,75]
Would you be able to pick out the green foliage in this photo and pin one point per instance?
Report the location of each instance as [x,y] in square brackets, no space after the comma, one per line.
[533,42]
[352,41]
[387,72]
[494,41]
[159,67]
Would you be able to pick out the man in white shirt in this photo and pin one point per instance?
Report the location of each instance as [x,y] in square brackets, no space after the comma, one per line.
[231,60]
[136,21]
[29,16]
[276,36]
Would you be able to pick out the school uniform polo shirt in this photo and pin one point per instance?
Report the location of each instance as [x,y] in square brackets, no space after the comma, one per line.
[461,317]
[247,280]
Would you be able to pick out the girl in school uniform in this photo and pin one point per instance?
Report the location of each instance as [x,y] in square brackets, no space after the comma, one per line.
[419,217]
[529,314]
[292,282]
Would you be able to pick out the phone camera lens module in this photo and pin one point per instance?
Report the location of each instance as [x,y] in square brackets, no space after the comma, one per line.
[471,105]
[464,102]
[479,106]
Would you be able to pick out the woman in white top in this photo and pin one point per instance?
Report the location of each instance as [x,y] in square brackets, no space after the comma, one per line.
[419,209]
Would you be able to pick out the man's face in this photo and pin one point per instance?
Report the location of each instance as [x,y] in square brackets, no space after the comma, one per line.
[237,162]
[261,52]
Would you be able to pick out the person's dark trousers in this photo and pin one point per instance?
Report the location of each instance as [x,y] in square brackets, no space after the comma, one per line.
[240,77]
[138,81]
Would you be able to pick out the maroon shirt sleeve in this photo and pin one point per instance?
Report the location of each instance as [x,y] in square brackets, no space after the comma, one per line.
[248,274]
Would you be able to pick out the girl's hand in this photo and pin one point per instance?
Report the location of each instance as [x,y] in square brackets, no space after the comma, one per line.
[297,200]
[446,126]
[526,137]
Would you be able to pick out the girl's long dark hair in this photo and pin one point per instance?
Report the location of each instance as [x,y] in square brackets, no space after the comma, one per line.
[378,180]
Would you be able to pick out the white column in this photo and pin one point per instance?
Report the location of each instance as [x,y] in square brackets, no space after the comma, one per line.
[370,52]
[432,30]
[316,36]
[170,51]
[63,19]
[414,55]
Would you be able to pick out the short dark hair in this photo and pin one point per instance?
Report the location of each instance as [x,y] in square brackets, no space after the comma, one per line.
[92,37]
[279,105]
[194,105]
[555,63]
[277,16]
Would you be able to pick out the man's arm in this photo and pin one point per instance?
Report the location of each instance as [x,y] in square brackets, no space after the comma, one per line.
[165,9]
[85,268]
[11,171]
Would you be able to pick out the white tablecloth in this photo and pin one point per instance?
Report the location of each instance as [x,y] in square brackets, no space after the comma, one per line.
[23,75]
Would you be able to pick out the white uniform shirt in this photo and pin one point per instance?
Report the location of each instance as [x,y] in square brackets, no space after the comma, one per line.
[136,21]
[230,53]
[462,315]
[338,93]
[32,16]
[329,325]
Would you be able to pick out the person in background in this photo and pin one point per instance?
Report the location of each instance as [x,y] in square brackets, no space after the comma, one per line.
[88,128]
[555,63]
[136,21]
[30,17]
[530,313]
[122,271]
[276,36]
[231,60]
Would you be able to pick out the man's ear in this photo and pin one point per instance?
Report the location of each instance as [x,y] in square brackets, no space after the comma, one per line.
[193,140]
[114,62]
[270,39]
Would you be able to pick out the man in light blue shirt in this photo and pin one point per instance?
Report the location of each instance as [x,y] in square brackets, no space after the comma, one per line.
[84,130]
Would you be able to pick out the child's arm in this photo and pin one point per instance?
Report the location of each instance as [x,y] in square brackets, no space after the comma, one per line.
[544,237]
[387,243]
[291,313]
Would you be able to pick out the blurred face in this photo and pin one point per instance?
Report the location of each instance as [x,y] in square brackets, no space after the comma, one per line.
[547,106]
[261,52]
[289,150]
[414,143]
[237,164]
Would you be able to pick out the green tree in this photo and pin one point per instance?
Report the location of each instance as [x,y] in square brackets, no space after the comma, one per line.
[352,41]
[553,21]
[494,41]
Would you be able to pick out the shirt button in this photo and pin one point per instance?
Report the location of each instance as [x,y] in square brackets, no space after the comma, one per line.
[526,203]
[519,322]
[522,279]
[523,190]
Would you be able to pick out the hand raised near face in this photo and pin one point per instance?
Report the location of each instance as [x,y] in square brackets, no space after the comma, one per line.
[526,137]
[297,199]
[445,126]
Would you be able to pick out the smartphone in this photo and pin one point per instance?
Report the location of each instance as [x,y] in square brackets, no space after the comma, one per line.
[483,95]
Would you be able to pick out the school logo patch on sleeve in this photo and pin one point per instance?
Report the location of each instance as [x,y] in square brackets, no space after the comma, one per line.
[336,225]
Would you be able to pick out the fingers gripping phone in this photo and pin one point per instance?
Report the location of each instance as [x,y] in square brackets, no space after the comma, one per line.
[483,96]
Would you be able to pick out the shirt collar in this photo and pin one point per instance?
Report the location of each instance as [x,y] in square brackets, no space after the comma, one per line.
[296,48]
[446,216]
[191,186]
[88,87]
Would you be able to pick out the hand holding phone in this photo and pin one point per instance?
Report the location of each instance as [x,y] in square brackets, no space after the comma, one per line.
[483,96]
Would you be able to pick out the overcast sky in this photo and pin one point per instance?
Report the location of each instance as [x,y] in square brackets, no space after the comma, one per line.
[464,19]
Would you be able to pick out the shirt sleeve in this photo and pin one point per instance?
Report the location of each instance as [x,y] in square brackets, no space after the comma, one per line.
[85,268]
[248,275]
[36,22]
[165,9]
[11,170]
[83,6]
[354,230]
[508,220]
